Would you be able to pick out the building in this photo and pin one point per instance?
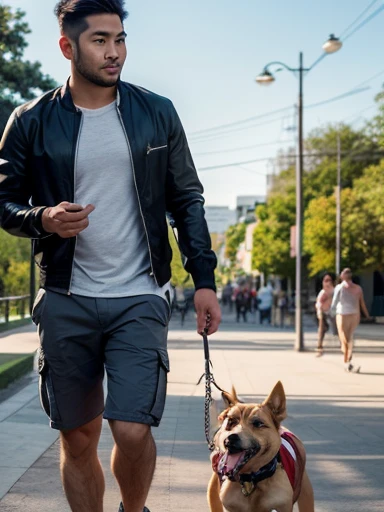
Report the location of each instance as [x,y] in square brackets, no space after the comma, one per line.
[219,218]
[245,206]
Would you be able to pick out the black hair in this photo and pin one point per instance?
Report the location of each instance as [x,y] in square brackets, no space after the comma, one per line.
[72,13]
[330,274]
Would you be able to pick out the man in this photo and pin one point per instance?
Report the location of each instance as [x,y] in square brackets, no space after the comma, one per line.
[88,172]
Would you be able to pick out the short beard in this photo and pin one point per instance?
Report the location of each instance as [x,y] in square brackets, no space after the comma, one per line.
[88,75]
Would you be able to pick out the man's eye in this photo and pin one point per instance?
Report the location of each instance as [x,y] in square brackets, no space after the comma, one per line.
[99,41]
[121,41]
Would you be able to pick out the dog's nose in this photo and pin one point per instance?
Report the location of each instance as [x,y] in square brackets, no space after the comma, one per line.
[233,444]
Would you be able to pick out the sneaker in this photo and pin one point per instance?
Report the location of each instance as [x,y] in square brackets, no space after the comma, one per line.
[121,508]
[348,367]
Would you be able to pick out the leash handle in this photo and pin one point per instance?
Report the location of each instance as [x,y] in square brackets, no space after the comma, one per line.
[209,380]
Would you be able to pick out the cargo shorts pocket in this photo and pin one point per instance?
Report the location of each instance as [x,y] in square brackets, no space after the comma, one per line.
[38,306]
[161,391]
[46,390]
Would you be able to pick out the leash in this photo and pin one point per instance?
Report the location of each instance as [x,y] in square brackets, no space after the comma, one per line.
[209,380]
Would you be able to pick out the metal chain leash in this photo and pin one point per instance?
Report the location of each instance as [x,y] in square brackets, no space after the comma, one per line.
[209,380]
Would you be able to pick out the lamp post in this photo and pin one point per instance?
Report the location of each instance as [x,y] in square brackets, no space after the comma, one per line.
[332,45]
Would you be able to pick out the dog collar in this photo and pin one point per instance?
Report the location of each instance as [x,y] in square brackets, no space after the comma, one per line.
[249,481]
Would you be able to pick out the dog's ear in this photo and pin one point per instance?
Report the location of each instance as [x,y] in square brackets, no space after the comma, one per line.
[230,399]
[276,402]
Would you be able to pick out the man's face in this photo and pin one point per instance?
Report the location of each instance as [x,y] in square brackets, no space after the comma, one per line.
[100,52]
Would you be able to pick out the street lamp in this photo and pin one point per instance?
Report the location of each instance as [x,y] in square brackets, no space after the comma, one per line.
[332,45]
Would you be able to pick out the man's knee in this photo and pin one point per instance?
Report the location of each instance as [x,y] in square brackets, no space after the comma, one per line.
[82,441]
[130,437]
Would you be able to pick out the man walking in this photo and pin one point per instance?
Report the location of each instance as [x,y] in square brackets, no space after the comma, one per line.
[88,171]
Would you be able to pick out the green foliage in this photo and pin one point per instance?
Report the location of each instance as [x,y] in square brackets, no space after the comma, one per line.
[20,80]
[14,264]
[234,236]
[362,207]
[179,276]
[271,238]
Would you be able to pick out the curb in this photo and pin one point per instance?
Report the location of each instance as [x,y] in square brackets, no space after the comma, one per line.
[15,369]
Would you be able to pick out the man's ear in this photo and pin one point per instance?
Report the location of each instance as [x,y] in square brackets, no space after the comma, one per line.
[276,402]
[66,47]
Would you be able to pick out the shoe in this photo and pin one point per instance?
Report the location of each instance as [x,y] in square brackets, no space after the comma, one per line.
[121,508]
[348,367]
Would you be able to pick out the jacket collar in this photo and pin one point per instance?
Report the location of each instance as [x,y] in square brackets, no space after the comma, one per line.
[67,101]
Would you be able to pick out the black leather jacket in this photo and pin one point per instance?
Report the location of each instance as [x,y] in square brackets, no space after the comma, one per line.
[37,156]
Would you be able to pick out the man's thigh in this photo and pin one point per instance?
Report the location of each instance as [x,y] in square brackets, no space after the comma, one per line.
[136,359]
[71,359]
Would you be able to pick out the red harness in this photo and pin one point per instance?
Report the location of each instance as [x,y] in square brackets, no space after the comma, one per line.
[291,460]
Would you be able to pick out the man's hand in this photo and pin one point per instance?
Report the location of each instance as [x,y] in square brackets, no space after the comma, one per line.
[66,219]
[208,310]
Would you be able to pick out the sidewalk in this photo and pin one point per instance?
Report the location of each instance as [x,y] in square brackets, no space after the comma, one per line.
[339,417]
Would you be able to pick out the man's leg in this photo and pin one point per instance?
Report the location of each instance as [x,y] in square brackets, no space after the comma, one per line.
[81,471]
[133,462]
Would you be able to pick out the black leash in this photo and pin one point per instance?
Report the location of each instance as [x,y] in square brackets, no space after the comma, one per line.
[209,380]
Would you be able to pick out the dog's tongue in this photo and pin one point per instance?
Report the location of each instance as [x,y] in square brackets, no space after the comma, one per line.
[229,462]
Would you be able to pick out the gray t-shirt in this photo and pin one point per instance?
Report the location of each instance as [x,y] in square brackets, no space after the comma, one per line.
[112,255]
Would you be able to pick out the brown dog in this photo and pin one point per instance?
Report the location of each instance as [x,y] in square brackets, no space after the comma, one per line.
[258,465]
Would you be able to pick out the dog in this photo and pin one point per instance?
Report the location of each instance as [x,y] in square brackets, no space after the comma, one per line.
[258,466]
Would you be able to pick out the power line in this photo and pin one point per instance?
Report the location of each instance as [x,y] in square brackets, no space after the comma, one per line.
[308,155]
[198,138]
[363,23]
[213,136]
[244,147]
[242,121]
[340,97]
[358,18]
[252,171]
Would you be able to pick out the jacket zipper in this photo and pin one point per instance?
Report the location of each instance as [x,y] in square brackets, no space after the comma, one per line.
[137,192]
[74,188]
[150,149]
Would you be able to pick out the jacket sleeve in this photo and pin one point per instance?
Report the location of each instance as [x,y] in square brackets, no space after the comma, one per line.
[185,202]
[17,216]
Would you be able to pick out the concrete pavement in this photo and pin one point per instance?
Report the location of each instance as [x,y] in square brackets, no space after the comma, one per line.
[338,416]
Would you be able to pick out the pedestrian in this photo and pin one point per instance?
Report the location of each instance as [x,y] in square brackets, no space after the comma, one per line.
[282,306]
[323,311]
[242,302]
[347,301]
[265,301]
[88,171]
[227,295]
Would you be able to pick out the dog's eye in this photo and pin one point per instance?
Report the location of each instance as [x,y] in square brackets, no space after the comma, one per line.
[257,423]
[232,422]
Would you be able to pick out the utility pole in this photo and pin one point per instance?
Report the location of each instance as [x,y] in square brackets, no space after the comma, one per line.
[299,341]
[338,207]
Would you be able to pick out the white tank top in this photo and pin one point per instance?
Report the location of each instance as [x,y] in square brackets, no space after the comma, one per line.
[348,303]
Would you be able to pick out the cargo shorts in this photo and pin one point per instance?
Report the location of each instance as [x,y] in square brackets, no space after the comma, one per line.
[81,338]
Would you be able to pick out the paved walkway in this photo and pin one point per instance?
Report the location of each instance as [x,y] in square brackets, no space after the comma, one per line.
[339,417]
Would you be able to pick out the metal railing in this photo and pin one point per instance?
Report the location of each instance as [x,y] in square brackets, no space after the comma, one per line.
[13,306]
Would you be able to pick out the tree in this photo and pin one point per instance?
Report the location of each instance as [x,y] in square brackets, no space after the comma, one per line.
[179,276]
[271,237]
[362,226]
[20,80]
[234,236]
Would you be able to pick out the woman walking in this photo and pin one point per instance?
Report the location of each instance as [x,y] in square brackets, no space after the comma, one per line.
[347,301]
[323,310]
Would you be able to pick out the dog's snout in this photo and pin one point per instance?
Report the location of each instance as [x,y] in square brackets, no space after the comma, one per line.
[233,444]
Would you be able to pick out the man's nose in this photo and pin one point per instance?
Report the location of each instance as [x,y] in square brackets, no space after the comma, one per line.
[111,52]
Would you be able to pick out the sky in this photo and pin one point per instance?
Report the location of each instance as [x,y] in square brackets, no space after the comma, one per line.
[205,55]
